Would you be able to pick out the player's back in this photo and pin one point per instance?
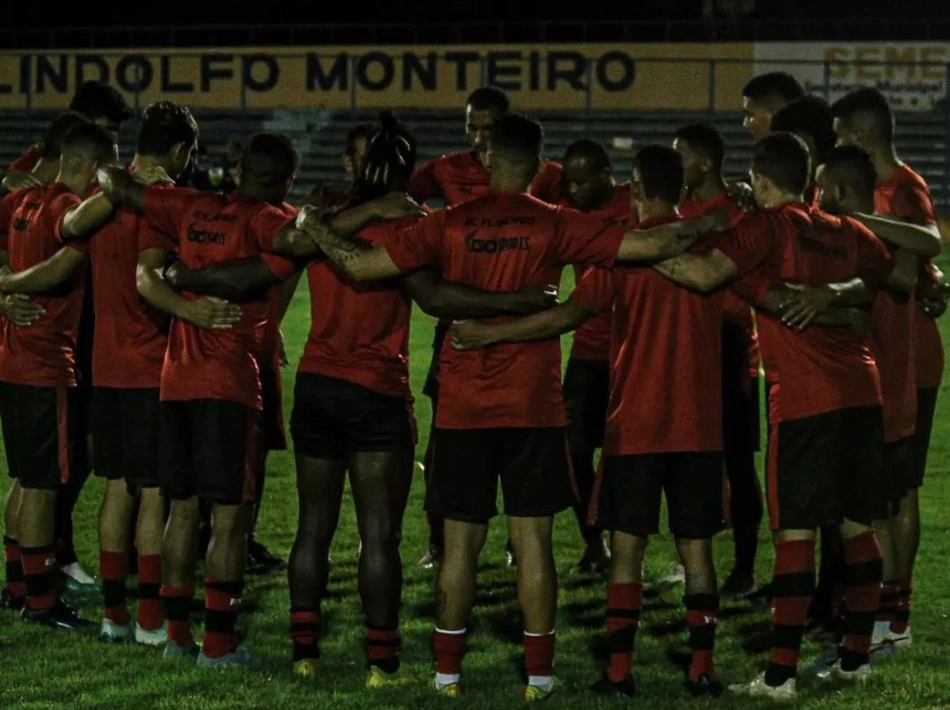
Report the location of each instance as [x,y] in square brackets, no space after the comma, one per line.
[360,331]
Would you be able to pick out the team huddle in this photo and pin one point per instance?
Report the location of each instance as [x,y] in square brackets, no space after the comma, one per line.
[168,301]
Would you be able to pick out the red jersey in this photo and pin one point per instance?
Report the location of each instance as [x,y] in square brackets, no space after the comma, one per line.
[592,339]
[212,228]
[504,242]
[131,336]
[666,370]
[460,177]
[43,354]
[905,194]
[359,332]
[819,369]
[26,162]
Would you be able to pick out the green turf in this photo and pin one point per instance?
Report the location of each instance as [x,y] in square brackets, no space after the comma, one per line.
[41,668]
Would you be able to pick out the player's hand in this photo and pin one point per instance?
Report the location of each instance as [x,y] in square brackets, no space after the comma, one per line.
[536,297]
[933,308]
[805,303]
[282,358]
[20,310]
[212,313]
[308,216]
[150,175]
[18,181]
[742,193]
[395,205]
[470,335]
[5,273]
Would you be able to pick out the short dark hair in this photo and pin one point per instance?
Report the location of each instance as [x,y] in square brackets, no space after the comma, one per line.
[773,85]
[360,131]
[389,162]
[783,159]
[518,141]
[93,99]
[856,165]
[164,125]
[661,172]
[593,152]
[61,125]
[810,115]
[87,141]
[489,98]
[269,160]
[705,140]
[873,104]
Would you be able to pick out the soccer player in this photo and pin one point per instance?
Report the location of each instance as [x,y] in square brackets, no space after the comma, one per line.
[38,407]
[864,118]
[97,102]
[502,412]
[702,150]
[763,96]
[454,179]
[129,345]
[827,427]
[589,186]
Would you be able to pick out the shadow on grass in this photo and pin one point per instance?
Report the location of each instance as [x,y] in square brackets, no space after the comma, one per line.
[756,637]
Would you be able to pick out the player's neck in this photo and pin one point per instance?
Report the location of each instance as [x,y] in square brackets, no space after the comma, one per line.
[141,162]
[77,184]
[46,170]
[655,209]
[781,198]
[711,188]
[885,161]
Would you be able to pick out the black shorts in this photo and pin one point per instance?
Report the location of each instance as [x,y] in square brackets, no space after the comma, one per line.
[209,449]
[431,387]
[40,433]
[627,494]
[272,416]
[899,468]
[532,463]
[826,468]
[586,393]
[333,418]
[926,407]
[125,426]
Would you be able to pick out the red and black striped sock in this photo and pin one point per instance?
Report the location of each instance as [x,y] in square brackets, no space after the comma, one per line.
[887,607]
[624,601]
[113,566]
[449,648]
[14,582]
[793,586]
[178,611]
[222,601]
[150,614]
[902,612]
[39,564]
[702,613]
[383,646]
[305,629]
[862,592]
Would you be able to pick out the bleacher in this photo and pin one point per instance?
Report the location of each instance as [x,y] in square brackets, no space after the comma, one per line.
[320,136]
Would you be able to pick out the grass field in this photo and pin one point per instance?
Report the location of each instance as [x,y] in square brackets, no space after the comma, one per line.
[40,669]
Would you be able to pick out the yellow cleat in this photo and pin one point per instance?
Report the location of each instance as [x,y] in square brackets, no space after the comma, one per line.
[378,678]
[306,668]
[452,690]
[534,694]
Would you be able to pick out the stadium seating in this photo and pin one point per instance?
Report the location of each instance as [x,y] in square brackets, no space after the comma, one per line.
[320,135]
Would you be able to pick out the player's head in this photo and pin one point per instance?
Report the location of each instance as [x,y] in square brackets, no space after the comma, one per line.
[169,133]
[514,152]
[809,118]
[781,169]
[484,106]
[268,167]
[864,118]
[357,142]
[763,96]
[84,149]
[101,104]
[847,179]
[587,177]
[702,150]
[657,178]
[61,125]
[389,161]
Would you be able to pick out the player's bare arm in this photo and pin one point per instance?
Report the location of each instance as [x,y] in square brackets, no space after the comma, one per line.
[904,277]
[933,294]
[448,299]
[544,325]
[669,240]
[45,276]
[833,305]
[204,312]
[120,188]
[86,217]
[700,273]
[15,180]
[233,280]
[922,240]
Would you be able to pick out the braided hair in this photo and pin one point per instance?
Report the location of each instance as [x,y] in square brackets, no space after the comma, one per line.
[389,162]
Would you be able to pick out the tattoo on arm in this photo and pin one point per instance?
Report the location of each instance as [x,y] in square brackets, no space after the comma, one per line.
[340,250]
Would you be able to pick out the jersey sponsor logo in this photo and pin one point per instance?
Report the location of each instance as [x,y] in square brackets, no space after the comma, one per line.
[205,216]
[816,246]
[496,245]
[496,223]
[205,236]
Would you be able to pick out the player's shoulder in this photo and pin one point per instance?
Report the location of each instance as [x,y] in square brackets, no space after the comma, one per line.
[461,160]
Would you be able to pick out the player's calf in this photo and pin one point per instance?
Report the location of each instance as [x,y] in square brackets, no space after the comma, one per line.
[115,522]
[702,612]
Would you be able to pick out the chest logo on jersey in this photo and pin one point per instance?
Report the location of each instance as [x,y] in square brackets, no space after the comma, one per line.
[496,245]
[21,224]
[205,236]
[816,246]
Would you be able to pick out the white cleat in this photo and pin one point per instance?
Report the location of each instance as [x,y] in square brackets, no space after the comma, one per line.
[823,664]
[839,676]
[110,632]
[676,574]
[75,572]
[154,637]
[760,689]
